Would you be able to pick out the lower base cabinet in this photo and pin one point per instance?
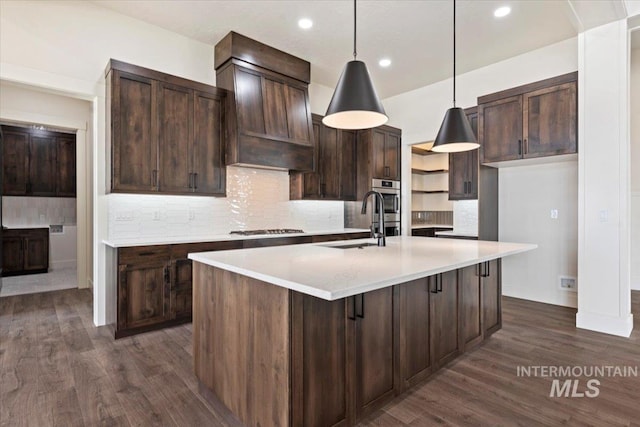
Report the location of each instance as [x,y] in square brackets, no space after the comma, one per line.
[309,362]
[25,251]
[154,283]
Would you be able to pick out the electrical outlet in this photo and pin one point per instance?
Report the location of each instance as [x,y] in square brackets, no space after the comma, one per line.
[156,215]
[568,283]
[124,216]
[604,215]
[554,213]
[192,215]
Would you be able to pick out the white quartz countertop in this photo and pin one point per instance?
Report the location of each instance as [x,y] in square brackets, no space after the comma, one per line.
[330,273]
[163,240]
[454,233]
[416,226]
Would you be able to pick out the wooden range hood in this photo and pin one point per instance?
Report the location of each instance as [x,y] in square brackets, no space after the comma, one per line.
[269,115]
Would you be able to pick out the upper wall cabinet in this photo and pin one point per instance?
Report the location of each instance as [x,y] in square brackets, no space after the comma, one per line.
[534,120]
[38,163]
[378,154]
[335,176]
[269,119]
[166,134]
[463,167]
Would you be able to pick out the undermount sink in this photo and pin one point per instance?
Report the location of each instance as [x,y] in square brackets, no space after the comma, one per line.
[352,245]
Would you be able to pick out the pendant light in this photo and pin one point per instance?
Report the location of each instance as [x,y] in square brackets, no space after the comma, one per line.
[455,133]
[355,103]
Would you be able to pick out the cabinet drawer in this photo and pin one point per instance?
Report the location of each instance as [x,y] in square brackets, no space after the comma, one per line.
[143,254]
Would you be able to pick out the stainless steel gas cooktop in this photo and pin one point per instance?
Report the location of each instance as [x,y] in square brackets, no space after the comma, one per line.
[268,231]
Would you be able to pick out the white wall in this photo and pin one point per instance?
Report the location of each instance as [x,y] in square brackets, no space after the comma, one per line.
[419,114]
[604,299]
[63,253]
[635,166]
[527,195]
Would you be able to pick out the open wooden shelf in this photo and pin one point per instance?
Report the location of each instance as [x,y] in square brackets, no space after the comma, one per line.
[421,151]
[428,172]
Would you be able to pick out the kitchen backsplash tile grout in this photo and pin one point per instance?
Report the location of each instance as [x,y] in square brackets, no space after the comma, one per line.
[256,198]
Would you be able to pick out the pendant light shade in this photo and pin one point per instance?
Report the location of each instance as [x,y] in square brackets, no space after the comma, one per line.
[455,132]
[355,103]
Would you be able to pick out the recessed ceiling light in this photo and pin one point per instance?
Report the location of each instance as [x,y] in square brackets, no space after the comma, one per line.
[384,62]
[305,23]
[502,11]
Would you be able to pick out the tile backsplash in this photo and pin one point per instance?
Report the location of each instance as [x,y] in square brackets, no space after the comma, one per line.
[256,199]
[465,216]
[38,211]
[432,217]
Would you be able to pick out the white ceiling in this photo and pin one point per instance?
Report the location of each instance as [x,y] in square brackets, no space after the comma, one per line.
[416,34]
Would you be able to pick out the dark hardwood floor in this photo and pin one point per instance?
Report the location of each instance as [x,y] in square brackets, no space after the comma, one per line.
[56,368]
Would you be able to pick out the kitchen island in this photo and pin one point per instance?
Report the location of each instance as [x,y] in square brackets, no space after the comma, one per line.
[324,334]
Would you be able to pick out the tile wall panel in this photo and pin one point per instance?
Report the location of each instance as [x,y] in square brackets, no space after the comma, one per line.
[38,211]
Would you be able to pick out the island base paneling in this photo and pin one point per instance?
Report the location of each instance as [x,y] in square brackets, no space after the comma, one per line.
[277,357]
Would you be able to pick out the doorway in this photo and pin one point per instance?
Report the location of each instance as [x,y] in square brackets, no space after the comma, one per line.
[58,209]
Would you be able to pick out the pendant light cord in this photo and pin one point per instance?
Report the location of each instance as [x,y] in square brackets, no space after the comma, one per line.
[454,53]
[355,52]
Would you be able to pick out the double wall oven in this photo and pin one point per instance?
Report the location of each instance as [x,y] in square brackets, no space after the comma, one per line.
[390,191]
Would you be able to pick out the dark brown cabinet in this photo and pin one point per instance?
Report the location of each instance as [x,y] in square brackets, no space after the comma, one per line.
[378,156]
[445,332]
[166,133]
[343,355]
[471,306]
[534,120]
[38,163]
[429,232]
[374,349]
[25,251]
[335,175]
[155,283]
[491,285]
[416,360]
[463,167]
[270,117]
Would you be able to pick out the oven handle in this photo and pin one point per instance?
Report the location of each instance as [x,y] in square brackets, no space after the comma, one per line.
[396,202]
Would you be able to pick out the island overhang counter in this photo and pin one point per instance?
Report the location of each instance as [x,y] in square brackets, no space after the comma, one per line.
[324,334]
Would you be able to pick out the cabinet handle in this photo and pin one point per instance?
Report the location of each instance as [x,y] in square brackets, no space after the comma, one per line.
[488,271]
[439,283]
[361,314]
[323,189]
[146,253]
[519,147]
[353,309]
[190,178]
[154,177]
[166,275]
[436,285]
[387,171]
[195,180]
[526,146]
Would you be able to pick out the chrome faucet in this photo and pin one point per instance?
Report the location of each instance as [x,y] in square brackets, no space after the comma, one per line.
[380,201]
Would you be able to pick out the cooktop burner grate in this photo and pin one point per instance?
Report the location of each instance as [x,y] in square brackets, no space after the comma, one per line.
[268,231]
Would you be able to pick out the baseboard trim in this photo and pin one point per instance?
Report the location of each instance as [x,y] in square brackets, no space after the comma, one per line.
[620,326]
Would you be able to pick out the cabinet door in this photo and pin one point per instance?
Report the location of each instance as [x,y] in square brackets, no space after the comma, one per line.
[492,297]
[143,294]
[445,340]
[42,165]
[415,348]
[134,137]
[378,138]
[500,129]
[274,101]
[15,150]
[208,146]
[249,100]
[458,175]
[298,114]
[320,379]
[175,109]
[392,156]
[550,121]
[470,306]
[181,289]
[374,349]
[66,168]
[328,165]
[348,183]
[12,253]
[36,250]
